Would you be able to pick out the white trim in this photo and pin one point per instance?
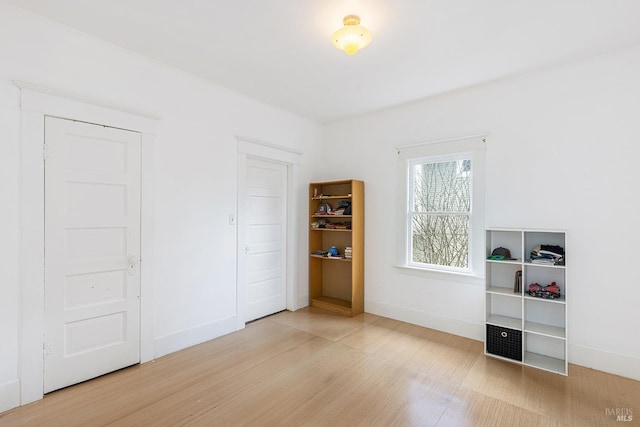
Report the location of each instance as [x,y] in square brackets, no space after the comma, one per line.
[441,158]
[34,107]
[402,147]
[292,242]
[71,107]
[606,361]
[463,328]
[444,149]
[458,276]
[33,88]
[268,151]
[241,220]
[30,359]
[147,227]
[275,153]
[303,301]
[189,337]
[9,395]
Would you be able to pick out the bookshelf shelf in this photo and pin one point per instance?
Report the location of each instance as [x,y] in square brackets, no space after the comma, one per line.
[330,258]
[503,291]
[507,322]
[345,197]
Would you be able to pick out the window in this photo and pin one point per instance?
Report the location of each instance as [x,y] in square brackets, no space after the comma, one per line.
[442,220]
[439,212]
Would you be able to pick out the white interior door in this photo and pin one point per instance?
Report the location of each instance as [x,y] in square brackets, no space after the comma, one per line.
[92,251]
[265,238]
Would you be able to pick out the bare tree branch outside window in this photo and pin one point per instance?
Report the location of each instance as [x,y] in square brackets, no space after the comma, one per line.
[440,213]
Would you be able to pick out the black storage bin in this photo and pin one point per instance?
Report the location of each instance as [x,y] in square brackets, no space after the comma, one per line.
[504,342]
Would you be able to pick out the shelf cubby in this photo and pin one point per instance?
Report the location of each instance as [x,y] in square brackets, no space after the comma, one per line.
[545,352]
[504,310]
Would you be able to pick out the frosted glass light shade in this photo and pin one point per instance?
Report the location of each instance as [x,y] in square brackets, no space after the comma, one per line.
[352,37]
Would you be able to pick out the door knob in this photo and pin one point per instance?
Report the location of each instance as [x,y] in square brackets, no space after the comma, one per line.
[132,261]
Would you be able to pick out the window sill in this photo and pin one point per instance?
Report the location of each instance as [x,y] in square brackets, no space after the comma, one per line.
[450,276]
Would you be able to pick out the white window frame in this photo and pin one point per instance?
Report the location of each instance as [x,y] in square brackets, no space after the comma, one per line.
[472,147]
[411,163]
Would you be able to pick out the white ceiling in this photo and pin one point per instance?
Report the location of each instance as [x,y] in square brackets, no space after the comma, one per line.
[279,51]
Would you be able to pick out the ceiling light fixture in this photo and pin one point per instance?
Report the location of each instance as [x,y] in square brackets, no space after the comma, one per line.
[352,37]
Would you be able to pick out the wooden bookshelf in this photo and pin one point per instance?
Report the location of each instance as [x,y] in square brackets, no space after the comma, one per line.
[337,284]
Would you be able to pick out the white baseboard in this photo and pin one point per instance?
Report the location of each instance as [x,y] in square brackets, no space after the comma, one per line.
[428,320]
[601,360]
[189,337]
[613,363]
[9,395]
[303,301]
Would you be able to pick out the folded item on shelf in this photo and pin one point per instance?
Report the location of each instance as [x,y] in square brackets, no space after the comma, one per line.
[551,291]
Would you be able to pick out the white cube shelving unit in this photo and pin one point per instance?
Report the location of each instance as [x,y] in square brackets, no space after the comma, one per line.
[519,327]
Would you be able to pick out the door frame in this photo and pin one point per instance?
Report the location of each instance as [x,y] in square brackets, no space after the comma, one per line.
[252,148]
[36,103]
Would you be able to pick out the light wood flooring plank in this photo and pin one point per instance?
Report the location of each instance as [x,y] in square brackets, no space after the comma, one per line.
[314,368]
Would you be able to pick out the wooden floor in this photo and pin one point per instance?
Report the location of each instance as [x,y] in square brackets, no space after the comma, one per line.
[312,368]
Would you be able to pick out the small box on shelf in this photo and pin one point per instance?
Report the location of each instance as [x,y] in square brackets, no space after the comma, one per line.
[504,342]
[348,252]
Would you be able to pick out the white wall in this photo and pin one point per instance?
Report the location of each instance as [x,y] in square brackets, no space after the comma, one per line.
[194,292]
[562,154]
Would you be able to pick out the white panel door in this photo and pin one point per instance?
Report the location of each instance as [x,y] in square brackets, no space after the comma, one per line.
[92,249]
[265,239]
